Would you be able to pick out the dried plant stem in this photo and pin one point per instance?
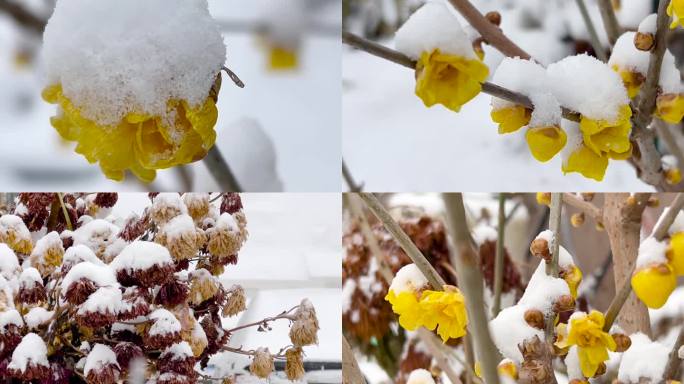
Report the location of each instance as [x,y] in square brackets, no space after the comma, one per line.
[588,208]
[375,206]
[593,36]
[490,32]
[371,239]
[219,169]
[668,217]
[349,179]
[499,256]
[60,196]
[281,316]
[610,21]
[399,58]
[470,281]
[648,161]
[673,360]
[351,374]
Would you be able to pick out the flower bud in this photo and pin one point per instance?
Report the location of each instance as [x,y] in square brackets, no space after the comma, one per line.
[493,17]
[622,342]
[534,318]
[577,219]
[544,198]
[540,248]
[564,303]
[644,41]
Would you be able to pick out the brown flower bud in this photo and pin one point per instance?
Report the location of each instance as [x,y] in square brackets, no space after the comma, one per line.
[494,17]
[622,342]
[534,318]
[304,330]
[294,364]
[564,303]
[540,248]
[599,226]
[601,370]
[262,363]
[653,202]
[127,352]
[577,219]
[644,41]
[231,203]
[588,196]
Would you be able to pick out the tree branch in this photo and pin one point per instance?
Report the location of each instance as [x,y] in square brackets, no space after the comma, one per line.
[490,32]
[470,281]
[23,17]
[593,36]
[588,208]
[219,169]
[396,57]
[673,360]
[349,179]
[610,21]
[499,256]
[351,374]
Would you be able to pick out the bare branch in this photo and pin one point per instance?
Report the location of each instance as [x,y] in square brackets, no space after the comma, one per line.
[349,179]
[351,374]
[219,169]
[22,16]
[499,257]
[490,32]
[610,21]
[593,36]
[673,360]
[588,208]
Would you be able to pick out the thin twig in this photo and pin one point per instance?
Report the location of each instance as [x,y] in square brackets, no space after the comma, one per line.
[491,33]
[396,57]
[351,374]
[588,208]
[219,169]
[610,21]
[665,134]
[435,348]
[659,232]
[470,281]
[372,202]
[371,239]
[64,211]
[673,360]
[233,77]
[265,321]
[499,256]
[349,179]
[554,226]
[593,36]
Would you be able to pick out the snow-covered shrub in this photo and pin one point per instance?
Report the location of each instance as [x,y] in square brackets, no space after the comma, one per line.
[87,296]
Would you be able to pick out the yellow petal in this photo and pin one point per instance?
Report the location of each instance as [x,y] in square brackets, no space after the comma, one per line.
[545,142]
[670,108]
[653,285]
[510,119]
[586,162]
[675,253]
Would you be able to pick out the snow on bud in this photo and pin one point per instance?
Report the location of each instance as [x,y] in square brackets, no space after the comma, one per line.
[304,329]
[235,302]
[203,286]
[29,360]
[164,330]
[144,264]
[15,234]
[31,289]
[166,206]
[177,358]
[197,204]
[101,308]
[47,253]
[226,238]
[420,376]
[180,236]
[101,366]
[262,363]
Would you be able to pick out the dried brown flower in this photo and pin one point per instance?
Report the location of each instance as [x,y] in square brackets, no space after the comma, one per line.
[231,203]
[235,302]
[262,363]
[294,364]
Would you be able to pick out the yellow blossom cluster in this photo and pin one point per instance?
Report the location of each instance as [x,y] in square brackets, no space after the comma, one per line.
[586,332]
[654,283]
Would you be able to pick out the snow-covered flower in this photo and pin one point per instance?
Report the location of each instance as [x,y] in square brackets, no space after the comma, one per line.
[173,293]
[14,233]
[676,10]
[127,352]
[164,329]
[416,307]
[177,358]
[29,359]
[180,236]
[586,332]
[294,364]
[11,325]
[203,286]
[448,70]
[655,278]
[262,363]
[85,278]
[101,308]
[304,329]
[236,301]
[47,254]
[137,99]
[101,366]
[143,263]
[31,289]
[197,204]
[226,238]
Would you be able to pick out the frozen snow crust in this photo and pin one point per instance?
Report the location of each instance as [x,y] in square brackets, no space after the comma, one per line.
[117,57]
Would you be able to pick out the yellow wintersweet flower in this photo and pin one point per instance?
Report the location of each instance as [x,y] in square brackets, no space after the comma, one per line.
[510,119]
[405,304]
[444,310]
[545,142]
[593,344]
[631,80]
[675,253]
[282,59]
[670,107]
[140,142]
[449,80]
[586,162]
[676,10]
[572,276]
[543,198]
[654,284]
[609,137]
[505,368]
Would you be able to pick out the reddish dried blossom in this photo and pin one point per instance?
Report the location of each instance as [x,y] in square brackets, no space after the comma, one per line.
[174,378]
[172,293]
[106,199]
[106,374]
[35,219]
[61,220]
[10,337]
[96,319]
[170,363]
[149,277]
[79,291]
[135,227]
[32,372]
[136,303]
[33,295]
[127,352]
[161,341]
[36,200]
[216,336]
[231,203]
[59,373]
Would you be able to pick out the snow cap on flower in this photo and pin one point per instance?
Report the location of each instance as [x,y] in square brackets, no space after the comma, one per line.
[31,289]
[304,329]
[203,286]
[85,278]
[29,359]
[181,237]
[262,363]
[14,233]
[226,238]
[11,324]
[197,204]
[97,235]
[9,264]
[420,376]
[166,206]
[143,263]
[126,353]
[177,358]
[78,254]
[408,279]
[101,308]
[164,329]
[634,366]
[101,366]
[47,253]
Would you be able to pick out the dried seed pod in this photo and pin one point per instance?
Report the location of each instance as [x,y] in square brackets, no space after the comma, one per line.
[622,342]
[540,248]
[577,219]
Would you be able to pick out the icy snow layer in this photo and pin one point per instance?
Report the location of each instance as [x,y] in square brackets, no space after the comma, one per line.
[433,26]
[634,365]
[114,58]
[9,264]
[102,275]
[510,329]
[392,142]
[38,316]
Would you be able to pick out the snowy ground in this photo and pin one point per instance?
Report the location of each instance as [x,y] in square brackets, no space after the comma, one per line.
[392,142]
[298,111]
[293,252]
